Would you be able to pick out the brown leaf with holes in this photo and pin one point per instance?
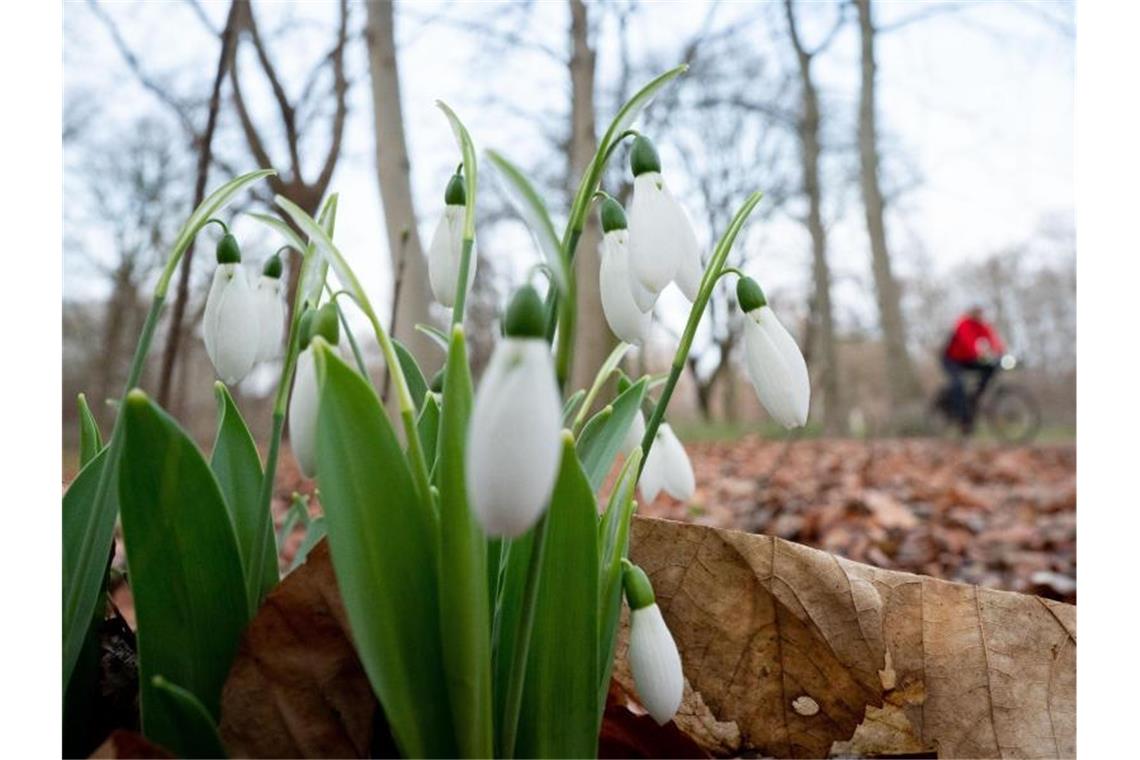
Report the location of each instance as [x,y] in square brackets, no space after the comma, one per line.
[798,650]
[296,688]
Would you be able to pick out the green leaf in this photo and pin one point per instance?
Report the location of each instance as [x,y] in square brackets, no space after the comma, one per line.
[529,205]
[613,537]
[559,706]
[428,426]
[315,530]
[214,203]
[237,467]
[183,562]
[464,604]
[467,148]
[600,379]
[571,406]
[434,333]
[90,439]
[193,732]
[417,385]
[385,553]
[280,227]
[602,436]
[298,513]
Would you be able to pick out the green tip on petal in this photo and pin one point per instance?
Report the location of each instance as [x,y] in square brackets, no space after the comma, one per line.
[526,316]
[613,216]
[638,589]
[749,295]
[229,252]
[456,192]
[643,158]
[273,267]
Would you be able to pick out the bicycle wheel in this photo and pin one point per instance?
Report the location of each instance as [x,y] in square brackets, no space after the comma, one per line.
[1012,414]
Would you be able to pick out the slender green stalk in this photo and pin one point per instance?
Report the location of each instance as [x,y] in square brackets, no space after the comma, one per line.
[513,701]
[461,288]
[609,366]
[708,283]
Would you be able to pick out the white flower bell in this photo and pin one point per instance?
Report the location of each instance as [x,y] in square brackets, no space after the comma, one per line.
[446,250]
[624,316]
[270,295]
[304,402]
[514,443]
[667,468]
[653,655]
[776,366]
[229,324]
[662,244]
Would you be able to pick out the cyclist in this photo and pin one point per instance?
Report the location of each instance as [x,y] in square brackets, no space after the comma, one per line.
[974,347]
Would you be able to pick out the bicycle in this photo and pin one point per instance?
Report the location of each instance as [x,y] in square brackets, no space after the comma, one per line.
[1008,410]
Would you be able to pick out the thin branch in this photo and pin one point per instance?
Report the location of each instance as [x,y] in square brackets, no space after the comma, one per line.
[340,91]
[288,113]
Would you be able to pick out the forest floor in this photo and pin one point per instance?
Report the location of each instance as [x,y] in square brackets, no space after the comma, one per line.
[1003,517]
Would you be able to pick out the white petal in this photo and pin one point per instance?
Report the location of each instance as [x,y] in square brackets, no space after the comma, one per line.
[270,317]
[678,470]
[624,316]
[303,414]
[444,256]
[690,268]
[655,663]
[514,439]
[230,326]
[776,368]
[654,254]
[652,478]
[645,298]
[634,435]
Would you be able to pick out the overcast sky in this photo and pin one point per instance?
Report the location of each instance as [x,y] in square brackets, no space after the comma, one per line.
[978,102]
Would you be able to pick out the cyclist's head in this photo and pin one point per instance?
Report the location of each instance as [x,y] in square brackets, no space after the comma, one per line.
[975,311]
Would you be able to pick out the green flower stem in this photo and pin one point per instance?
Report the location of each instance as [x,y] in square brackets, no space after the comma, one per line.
[513,701]
[359,357]
[461,288]
[708,284]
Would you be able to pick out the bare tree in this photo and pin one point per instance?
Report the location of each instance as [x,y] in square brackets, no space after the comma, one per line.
[411,299]
[808,131]
[902,382]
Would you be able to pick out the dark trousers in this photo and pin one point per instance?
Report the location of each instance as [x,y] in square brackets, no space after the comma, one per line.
[963,404]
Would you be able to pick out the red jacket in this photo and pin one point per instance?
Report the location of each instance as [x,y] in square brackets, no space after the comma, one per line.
[972,340]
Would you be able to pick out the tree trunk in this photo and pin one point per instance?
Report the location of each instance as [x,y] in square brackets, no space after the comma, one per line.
[593,340]
[901,380]
[393,169]
[834,411]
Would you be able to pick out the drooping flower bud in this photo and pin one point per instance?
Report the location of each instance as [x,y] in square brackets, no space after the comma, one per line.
[653,655]
[230,321]
[446,249]
[514,444]
[304,402]
[662,244]
[776,366]
[624,316]
[270,309]
[667,467]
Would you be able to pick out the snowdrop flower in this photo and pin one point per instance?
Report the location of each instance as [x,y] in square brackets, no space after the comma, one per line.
[514,443]
[305,399]
[662,244]
[229,325]
[623,315]
[653,655]
[270,309]
[667,468]
[775,364]
[446,249]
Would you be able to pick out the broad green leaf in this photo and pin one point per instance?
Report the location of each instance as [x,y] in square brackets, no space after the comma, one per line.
[237,467]
[613,540]
[515,559]
[434,333]
[602,436]
[87,543]
[385,553]
[529,205]
[463,568]
[417,385]
[90,439]
[571,406]
[600,379]
[315,530]
[183,562]
[559,706]
[194,733]
[281,228]
[428,426]
[470,169]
